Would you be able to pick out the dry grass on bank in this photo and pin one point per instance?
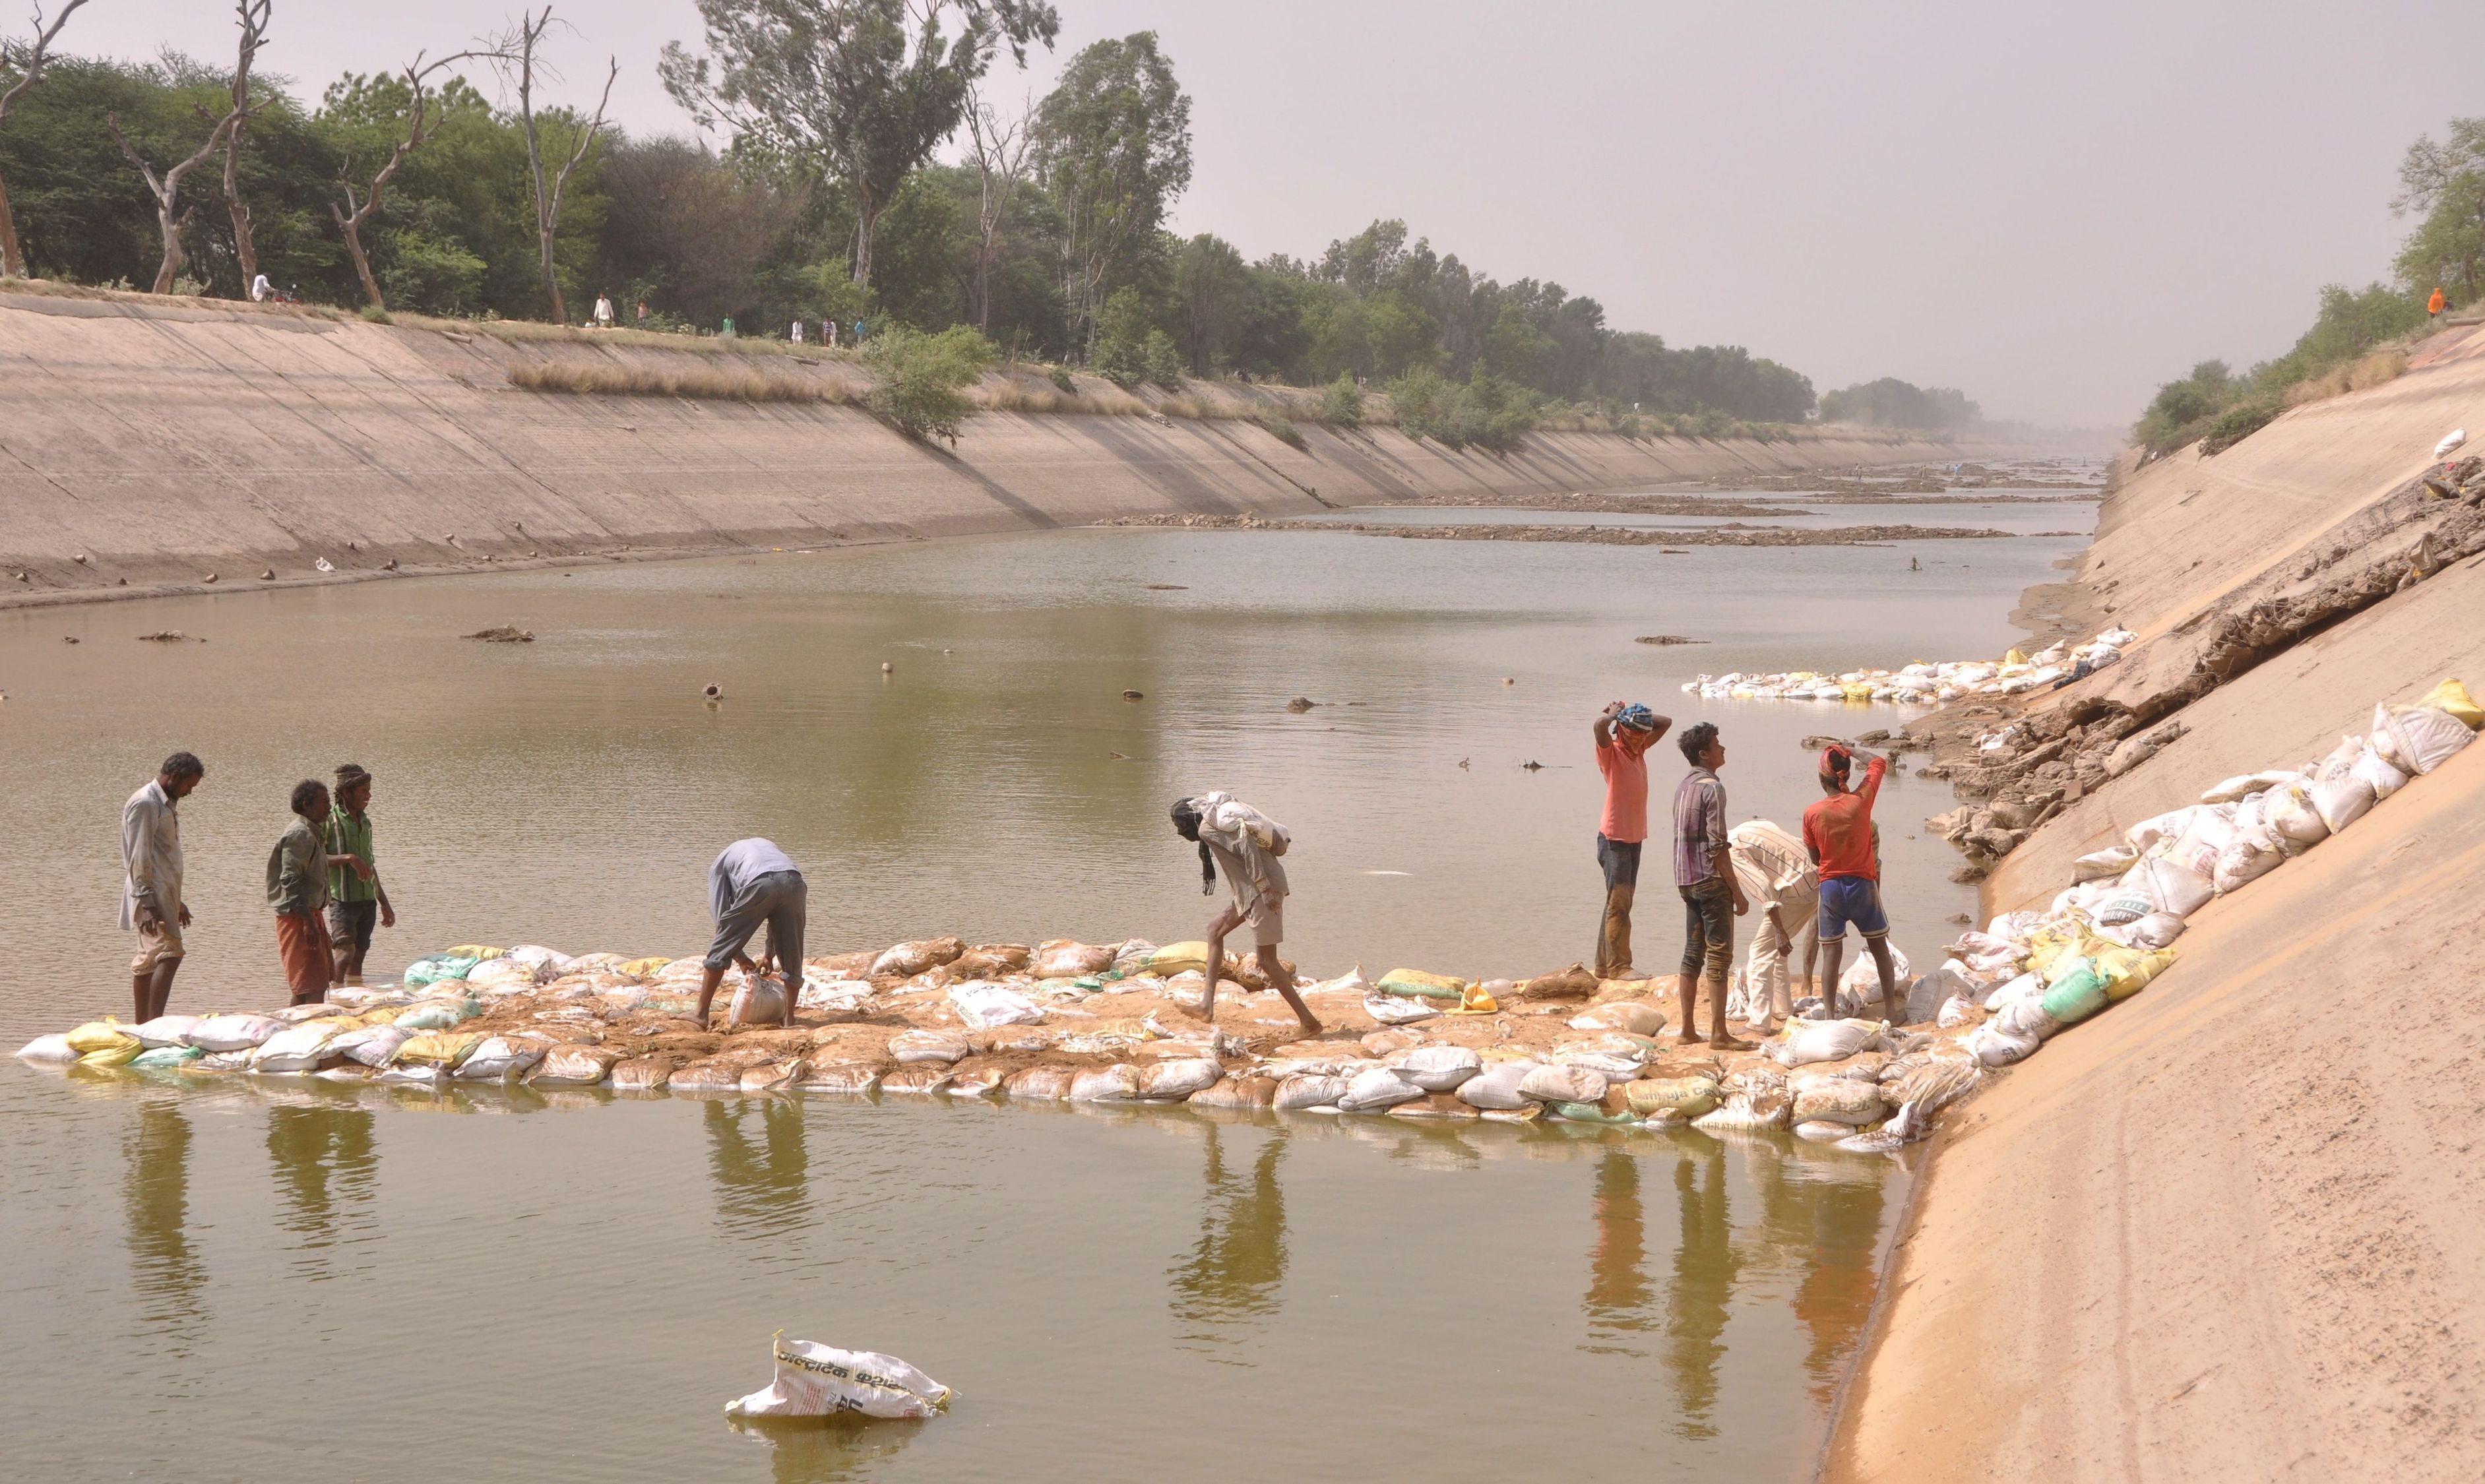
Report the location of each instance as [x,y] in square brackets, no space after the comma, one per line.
[710,383]
[2378,369]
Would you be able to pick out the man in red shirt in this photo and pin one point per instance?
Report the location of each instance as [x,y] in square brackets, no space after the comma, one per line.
[1837,836]
[1624,734]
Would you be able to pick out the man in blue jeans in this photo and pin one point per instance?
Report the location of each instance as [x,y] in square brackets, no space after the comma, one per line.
[1711,897]
[754,882]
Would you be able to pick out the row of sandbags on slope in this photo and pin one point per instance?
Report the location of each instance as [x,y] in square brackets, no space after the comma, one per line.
[1922,684]
[2106,935]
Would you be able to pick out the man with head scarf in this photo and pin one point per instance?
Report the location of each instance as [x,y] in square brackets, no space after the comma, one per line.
[1245,843]
[1838,835]
[1624,732]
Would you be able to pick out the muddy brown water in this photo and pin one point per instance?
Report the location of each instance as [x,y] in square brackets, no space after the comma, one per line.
[247,1278]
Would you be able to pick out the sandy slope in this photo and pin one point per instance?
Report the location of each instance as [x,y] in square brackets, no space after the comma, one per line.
[2233,1229]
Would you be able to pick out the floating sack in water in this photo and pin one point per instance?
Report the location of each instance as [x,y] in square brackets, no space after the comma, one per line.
[1118,1083]
[105,1035]
[1066,959]
[1308,1089]
[815,1381]
[48,1050]
[164,1031]
[1439,1069]
[1415,984]
[987,1006]
[164,1058]
[1373,1091]
[914,1047]
[1178,1079]
[233,1033]
[1685,1097]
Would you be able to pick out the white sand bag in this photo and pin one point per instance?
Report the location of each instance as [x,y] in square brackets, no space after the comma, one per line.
[1373,1091]
[1840,1101]
[1826,1040]
[1765,1109]
[2171,886]
[1308,1089]
[371,1045]
[2025,1019]
[2343,800]
[298,1048]
[49,1050]
[985,1006]
[915,1047]
[233,1033]
[2386,775]
[1114,1083]
[2420,739]
[574,1066]
[815,1380]
[758,1002]
[2150,833]
[1177,1079]
[1439,1069]
[2242,863]
[2291,814]
[498,1058]
[163,1031]
[1063,959]
[1993,1046]
[2104,865]
[1861,976]
[1496,1088]
[1397,1010]
[1636,1017]
[1564,1084]
[2019,987]
[2243,784]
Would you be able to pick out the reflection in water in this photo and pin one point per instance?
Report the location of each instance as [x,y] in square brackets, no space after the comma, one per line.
[1617,1300]
[1839,1222]
[170,1279]
[809,1450]
[1705,1266]
[760,1183]
[1234,1272]
[323,1159]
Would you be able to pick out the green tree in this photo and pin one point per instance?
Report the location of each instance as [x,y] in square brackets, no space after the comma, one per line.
[22,66]
[1210,282]
[2183,409]
[1112,145]
[918,379]
[2445,181]
[1341,404]
[1122,326]
[863,90]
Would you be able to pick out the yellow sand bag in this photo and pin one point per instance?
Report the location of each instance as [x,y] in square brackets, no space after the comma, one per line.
[1417,984]
[2126,971]
[2050,943]
[443,1048]
[2014,656]
[1178,959]
[640,968]
[475,951]
[1856,690]
[2453,697]
[102,1035]
[121,1055]
[1478,1001]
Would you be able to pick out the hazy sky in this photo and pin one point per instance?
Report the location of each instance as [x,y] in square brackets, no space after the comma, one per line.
[2051,207]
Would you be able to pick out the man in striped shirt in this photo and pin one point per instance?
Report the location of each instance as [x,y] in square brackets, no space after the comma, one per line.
[1711,897]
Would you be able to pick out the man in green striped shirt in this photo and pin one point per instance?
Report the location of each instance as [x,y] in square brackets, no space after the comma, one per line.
[356,900]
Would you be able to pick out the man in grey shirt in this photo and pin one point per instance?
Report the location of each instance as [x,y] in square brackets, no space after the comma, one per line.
[755,882]
[150,896]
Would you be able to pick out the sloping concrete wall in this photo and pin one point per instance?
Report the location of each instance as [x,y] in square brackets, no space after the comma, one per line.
[166,439]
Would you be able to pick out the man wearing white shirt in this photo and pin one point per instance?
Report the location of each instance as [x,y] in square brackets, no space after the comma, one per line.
[150,896]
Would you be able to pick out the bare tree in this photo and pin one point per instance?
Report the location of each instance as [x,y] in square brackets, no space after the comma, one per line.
[253,15]
[420,122]
[522,40]
[172,219]
[997,148]
[31,58]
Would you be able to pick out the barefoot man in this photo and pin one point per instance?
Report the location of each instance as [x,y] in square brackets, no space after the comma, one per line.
[151,898]
[1624,733]
[752,882]
[1711,897]
[1838,835]
[1245,843]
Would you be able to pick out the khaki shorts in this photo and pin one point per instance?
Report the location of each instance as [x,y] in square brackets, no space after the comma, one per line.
[160,946]
[1269,923]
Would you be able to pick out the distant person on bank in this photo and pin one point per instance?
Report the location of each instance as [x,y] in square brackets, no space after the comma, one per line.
[297,890]
[751,883]
[2434,305]
[150,893]
[357,901]
[1779,877]
[1711,897]
[1623,732]
[1244,844]
[1838,835]
[603,312]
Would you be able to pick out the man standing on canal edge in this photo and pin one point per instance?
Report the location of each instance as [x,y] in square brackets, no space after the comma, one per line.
[1245,843]
[357,901]
[150,896]
[297,889]
[754,882]
[1838,835]
[1623,734]
[1711,897]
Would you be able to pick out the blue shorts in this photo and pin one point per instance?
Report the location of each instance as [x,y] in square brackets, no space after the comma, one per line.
[1851,899]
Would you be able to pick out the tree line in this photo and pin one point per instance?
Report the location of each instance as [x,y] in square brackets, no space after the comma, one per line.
[2357,336]
[448,187]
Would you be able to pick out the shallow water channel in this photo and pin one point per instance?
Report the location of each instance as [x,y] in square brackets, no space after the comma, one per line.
[247,1277]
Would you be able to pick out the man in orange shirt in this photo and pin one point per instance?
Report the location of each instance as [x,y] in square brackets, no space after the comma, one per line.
[2434,305]
[1837,836]
[1624,734]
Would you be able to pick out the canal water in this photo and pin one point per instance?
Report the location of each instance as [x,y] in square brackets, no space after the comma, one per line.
[260,1280]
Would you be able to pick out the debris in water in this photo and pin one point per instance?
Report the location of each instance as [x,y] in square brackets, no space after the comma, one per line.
[713,691]
[68,639]
[1300,704]
[166,636]
[817,1381]
[1508,681]
[506,633]
[1134,695]
[887,669]
[1462,763]
[1666,638]
[1533,765]
[1167,587]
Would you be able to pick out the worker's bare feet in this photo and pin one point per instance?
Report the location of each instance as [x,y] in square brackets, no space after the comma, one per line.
[1311,1027]
[1687,1035]
[1721,1042]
